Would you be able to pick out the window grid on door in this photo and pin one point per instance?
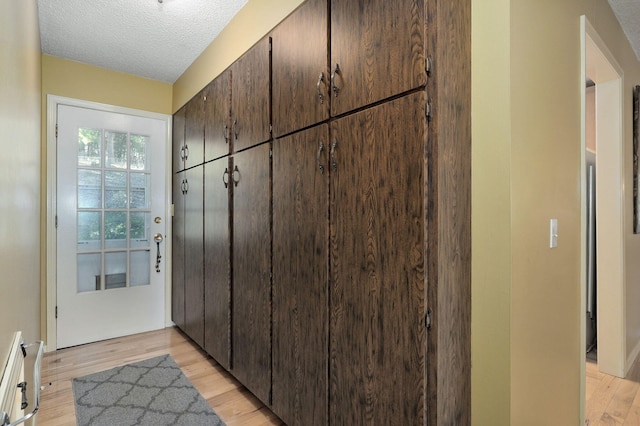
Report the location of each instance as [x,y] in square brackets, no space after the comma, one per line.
[113,210]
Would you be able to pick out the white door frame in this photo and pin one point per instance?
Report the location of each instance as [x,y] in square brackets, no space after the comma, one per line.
[600,65]
[51,242]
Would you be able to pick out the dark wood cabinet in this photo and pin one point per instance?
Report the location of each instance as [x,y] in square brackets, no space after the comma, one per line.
[377,50]
[194,255]
[217,116]
[177,251]
[194,131]
[300,72]
[251,304]
[251,97]
[300,277]
[178,139]
[217,262]
[377,348]
[333,280]
[187,291]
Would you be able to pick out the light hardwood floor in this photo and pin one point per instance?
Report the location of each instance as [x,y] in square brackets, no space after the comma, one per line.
[233,403]
[611,400]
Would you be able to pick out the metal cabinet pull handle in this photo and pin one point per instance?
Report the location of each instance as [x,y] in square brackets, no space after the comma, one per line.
[186,152]
[336,89]
[182,152]
[334,163]
[186,186]
[225,177]
[225,133]
[320,165]
[235,129]
[236,172]
[182,186]
[320,80]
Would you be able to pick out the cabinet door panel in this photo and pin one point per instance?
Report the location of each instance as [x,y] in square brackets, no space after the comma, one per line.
[193,255]
[251,306]
[300,69]
[250,97]
[177,253]
[217,115]
[377,360]
[194,131]
[217,252]
[379,48]
[178,140]
[300,274]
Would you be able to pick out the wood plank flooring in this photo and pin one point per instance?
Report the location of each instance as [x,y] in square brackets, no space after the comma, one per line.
[611,400]
[234,404]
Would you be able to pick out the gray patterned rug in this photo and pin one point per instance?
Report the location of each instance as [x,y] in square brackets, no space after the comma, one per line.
[150,392]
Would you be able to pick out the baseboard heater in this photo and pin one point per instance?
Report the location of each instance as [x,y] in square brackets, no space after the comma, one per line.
[13,387]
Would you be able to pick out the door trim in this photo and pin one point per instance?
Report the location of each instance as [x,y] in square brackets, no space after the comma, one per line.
[51,175]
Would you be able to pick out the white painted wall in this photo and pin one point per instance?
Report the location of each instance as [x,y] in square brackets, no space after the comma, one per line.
[20,78]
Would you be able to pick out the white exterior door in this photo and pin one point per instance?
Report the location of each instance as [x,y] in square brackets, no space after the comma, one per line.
[110,219]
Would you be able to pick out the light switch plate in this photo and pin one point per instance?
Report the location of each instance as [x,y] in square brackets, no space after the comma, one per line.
[553,233]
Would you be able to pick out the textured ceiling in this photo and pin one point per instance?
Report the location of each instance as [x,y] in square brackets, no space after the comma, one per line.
[160,40]
[140,37]
[628,14]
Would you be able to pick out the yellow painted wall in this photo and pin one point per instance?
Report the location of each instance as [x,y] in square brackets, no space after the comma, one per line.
[491,214]
[526,108]
[19,171]
[72,79]
[252,22]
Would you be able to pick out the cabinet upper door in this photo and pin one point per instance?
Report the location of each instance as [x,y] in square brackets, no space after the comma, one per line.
[300,69]
[377,348]
[300,277]
[177,252]
[194,131]
[178,139]
[217,115]
[250,97]
[377,50]
[251,335]
[194,257]
[217,262]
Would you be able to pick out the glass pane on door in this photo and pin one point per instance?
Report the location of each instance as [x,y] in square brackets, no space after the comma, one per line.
[89,272]
[116,150]
[89,231]
[113,210]
[89,189]
[140,267]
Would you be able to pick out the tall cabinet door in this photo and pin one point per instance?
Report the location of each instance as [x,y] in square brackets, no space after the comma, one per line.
[194,258]
[377,50]
[300,277]
[177,251]
[251,98]
[217,114]
[194,131]
[377,348]
[217,267]
[300,70]
[178,140]
[251,307]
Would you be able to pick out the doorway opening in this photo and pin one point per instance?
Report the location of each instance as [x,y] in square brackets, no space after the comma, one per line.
[602,272]
[105,202]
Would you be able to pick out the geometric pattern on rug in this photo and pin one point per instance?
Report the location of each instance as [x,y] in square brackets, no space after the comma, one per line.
[151,392]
